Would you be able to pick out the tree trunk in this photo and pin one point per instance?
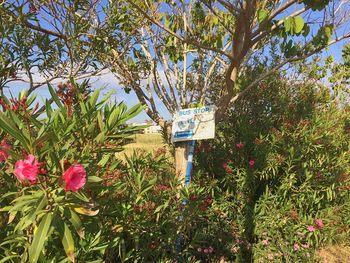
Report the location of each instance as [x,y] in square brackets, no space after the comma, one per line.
[181,154]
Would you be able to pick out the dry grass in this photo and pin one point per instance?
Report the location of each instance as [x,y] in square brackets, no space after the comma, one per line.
[143,142]
[335,254]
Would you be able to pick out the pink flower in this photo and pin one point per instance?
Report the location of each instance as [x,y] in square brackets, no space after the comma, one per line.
[265,242]
[319,223]
[206,251]
[210,249]
[240,146]
[311,228]
[251,162]
[27,169]
[4,155]
[296,247]
[74,177]
[270,256]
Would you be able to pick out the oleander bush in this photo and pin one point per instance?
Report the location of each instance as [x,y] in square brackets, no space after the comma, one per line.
[272,187]
[282,159]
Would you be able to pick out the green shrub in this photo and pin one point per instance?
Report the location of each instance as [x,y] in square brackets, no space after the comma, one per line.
[281,162]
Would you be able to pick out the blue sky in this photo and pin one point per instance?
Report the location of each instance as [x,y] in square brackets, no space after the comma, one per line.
[109,82]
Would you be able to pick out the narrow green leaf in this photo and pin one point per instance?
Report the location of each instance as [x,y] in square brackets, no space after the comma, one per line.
[46,137]
[8,126]
[54,96]
[94,97]
[94,179]
[39,238]
[76,222]
[68,243]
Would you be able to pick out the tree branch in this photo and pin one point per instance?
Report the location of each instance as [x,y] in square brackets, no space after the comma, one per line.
[184,40]
[228,98]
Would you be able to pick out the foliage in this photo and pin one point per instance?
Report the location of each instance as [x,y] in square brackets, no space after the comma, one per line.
[80,129]
[281,160]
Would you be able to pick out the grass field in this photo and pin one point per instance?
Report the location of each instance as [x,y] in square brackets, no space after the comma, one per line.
[143,142]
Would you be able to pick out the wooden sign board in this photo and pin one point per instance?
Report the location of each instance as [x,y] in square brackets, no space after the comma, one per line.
[194,124]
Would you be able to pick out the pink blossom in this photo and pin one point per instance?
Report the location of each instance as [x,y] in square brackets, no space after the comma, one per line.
[27,169]
[240,146]
[251,162]
[311,228]
[319,223]
[206,251]
[4,155]
[270,256]
[296,247]
[265,242]
[74,177]
[210,249]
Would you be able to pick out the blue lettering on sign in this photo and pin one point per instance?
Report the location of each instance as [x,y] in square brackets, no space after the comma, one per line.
[183,134]
[201,110]
[193,111]
[184,113]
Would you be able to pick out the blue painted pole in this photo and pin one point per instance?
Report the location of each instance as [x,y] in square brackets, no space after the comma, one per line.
[191,145]
[189,163]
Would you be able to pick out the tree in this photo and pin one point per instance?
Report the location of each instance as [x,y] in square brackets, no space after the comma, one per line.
[45,40]
[172,50]
[223,35]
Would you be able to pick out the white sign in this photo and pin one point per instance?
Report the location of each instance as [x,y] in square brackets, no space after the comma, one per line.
[194,124]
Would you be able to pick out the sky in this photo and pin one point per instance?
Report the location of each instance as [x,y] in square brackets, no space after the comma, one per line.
[109,82]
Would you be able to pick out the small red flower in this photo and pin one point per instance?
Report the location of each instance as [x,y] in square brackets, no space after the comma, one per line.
[4,154]
[251,162]
[319,223]
[239,146]
[311,228]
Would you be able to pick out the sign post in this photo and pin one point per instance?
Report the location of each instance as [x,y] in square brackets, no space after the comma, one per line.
[194,124]
[190,125]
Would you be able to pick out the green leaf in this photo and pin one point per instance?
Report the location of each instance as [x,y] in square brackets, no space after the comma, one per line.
[7,125]
[298,24]
[94,97]
[306,30]
[131,113]
[68,243]
[40,236]
[50,136]
[287,24]
[262,15]
[54,96]
[76,222]
[94,179]
[114,116]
